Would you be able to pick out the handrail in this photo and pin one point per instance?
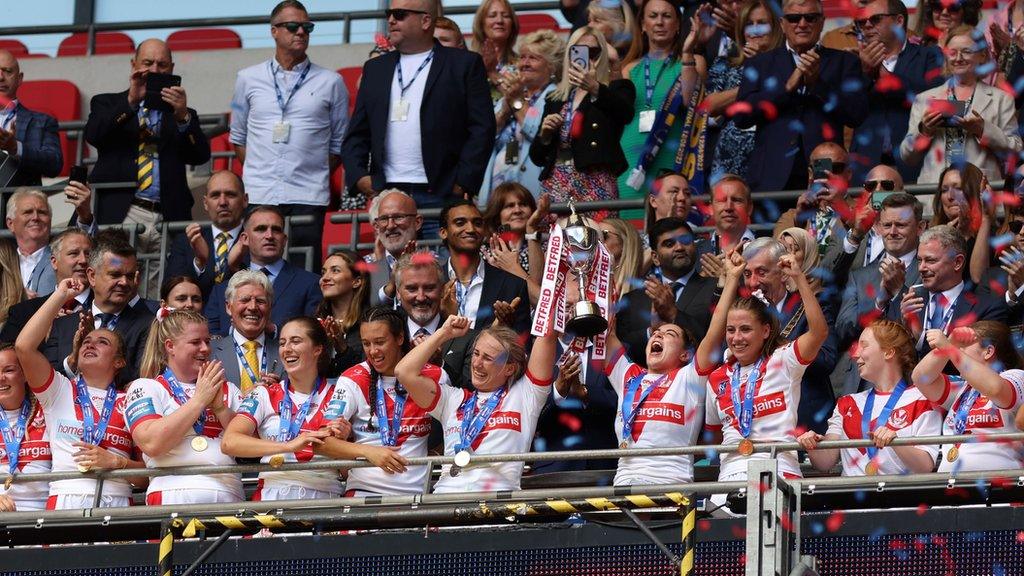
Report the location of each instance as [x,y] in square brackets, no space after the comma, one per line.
[766,447]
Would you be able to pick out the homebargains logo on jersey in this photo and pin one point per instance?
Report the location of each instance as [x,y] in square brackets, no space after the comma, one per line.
[497,421]
[30,451]
[71,431]
[763,405]
[662,412]
[984,418]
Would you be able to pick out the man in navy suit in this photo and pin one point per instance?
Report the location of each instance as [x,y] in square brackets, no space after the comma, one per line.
[30,138]
[895,71]
[250,349]
[799,95]
[423,121]
[297,291]
[942,301]
[203,252]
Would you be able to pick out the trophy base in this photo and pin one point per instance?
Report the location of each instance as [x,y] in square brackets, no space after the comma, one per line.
[586,320]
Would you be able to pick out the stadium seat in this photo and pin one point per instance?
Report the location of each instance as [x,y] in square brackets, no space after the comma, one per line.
[60,99]
[222,143]
[342,233]
[204,39]
[533,22]
[106,43]
[15,47]
[351,76]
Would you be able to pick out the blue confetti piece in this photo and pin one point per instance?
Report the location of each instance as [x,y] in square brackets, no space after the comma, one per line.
[750,74]
[1018,85]
[852,85]
[863,138]
[771,83]
[817,528]
[860,496]
[797,127]
[985,69]
[572,441]
[901,555]
[877,534]
[831,104]
[998,570]
[540,445]
[974,537]
[1001,240]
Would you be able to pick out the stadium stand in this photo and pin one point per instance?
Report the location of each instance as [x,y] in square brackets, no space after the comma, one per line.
[204,39]
[77,44]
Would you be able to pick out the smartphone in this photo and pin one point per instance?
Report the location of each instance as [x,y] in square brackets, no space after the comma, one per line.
[878,197]
[580,56]
[948,109]
[820,168]
[79,174]
[155,82]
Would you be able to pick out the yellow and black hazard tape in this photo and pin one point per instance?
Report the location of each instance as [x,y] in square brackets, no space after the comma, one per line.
[252,523]
[689,513]
[548,507]
[165,554]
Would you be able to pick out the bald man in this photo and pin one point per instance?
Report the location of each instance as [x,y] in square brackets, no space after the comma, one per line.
[29,138]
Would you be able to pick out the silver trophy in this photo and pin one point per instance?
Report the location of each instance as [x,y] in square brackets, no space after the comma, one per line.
[586,319]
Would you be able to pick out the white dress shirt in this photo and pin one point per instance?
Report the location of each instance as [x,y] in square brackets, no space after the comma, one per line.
[470,303]
[28,264]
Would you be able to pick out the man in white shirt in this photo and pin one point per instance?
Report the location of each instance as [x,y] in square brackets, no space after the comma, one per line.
[288,119]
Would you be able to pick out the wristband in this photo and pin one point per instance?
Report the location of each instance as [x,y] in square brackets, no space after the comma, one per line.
[535,236]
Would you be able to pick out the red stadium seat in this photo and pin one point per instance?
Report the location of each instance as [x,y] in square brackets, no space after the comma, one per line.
[60,99]
[351,76]
[204,39]
[533,22]
[15,47]
[106,43]
[342,233]
[222,143]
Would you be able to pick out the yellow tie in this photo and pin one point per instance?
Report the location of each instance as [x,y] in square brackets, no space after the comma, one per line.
[253,361]
[145,160]
[221,257]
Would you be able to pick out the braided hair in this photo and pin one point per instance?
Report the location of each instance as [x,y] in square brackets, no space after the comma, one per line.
[396,327]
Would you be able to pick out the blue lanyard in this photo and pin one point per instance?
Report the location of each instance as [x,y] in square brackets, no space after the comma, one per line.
[566,130]
[628,412]
[14,435]
[245,363]
[473,420]
[180,398]
[291,424]
[963,409]
[93,431]
[744,410]
[648,85]
[401,84]
[462,293]
[947,314]
[281,102]
[883,416]
[389,429]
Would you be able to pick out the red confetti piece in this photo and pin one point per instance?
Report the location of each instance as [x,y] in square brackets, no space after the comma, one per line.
[738,108]
[570,421]
[897,544]
[922,509]
[827,132]
[769,110]
[889,83]
[834,522]
[704,525]
[425,258]
[963,335]
[364,266]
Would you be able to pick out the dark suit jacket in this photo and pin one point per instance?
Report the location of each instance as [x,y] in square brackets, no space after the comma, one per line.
[789,121]
[1015,74]
[817,399]
[41,154]
[918,68]
[633,318]
[858,304]
[133,325]
[296,293]
[457,126]
[601,123]
[179,263]
[968,309]
[222,349]
[500,285]
[113,128]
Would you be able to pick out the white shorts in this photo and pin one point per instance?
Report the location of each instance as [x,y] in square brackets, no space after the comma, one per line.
[190,496]
[78,501]
[264,493]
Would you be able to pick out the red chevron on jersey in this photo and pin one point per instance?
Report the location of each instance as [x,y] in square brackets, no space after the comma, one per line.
[35,447]
[767,405]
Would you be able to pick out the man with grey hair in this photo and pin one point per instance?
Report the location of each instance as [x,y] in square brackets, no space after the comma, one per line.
[764,277]
[249,352]
[942,301]
[396,223]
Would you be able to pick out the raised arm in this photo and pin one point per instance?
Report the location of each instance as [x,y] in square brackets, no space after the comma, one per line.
[927,375]
[33,362]
[712,342]
[810,342]
[542,357]
[979,375]
[422,389]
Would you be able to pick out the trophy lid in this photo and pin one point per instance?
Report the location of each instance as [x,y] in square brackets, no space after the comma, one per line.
[579,234]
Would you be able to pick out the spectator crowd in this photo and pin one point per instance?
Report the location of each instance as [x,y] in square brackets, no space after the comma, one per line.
[849,309]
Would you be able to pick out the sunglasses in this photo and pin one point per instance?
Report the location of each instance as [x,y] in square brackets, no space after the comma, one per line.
[811,17]
[951,7]
[1015,226]
[874,19]
[400,14]
[593,51]
[872,185]
[294,27]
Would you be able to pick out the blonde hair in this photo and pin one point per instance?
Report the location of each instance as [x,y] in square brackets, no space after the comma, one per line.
[508,339]
[547,45]
[561,92]
[508,55]
[12,289]
[154,356]
[621,19]
[627,267]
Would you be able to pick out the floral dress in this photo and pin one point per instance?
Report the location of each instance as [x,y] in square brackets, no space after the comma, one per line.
[734,145]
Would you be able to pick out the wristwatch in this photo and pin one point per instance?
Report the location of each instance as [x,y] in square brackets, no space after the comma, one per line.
[518,104]
[535,236]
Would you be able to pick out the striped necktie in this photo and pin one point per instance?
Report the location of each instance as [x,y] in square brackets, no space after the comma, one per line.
[145,161]
[221,257]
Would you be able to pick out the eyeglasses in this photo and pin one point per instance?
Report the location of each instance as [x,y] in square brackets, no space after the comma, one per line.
[593,51]
[938,6]
[398,219]
[294,27]
[872,185]
[810,17]
[400,14]
[874,19]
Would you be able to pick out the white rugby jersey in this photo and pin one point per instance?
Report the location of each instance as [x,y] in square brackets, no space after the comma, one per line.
[983,418]
[912,416]
[262,407]
[509,430]
[150,399]
[64,426]
[353,390]
[671,415]
[33,458]
[776,397]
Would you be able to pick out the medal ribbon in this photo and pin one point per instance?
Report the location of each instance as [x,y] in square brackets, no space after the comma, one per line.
[629,412]
[93,430]
[883,416]
[281,102]
[179,396]
[292,423]
[473,419]
[389,429]
[743,409]
[13,435]
[963,409]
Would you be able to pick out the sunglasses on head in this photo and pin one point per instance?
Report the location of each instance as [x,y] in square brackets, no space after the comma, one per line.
[874,19]
[400,14]
[886,185]
[811,17]
[951,7]
[294,27]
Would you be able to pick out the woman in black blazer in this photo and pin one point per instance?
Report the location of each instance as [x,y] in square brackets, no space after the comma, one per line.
[578,144]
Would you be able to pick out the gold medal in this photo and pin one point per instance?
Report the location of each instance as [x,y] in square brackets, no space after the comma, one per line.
[871,469]
[276,460]
[746,447]
[8,482]
[623,445]
[953,454]
[200,443]
[83,468]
